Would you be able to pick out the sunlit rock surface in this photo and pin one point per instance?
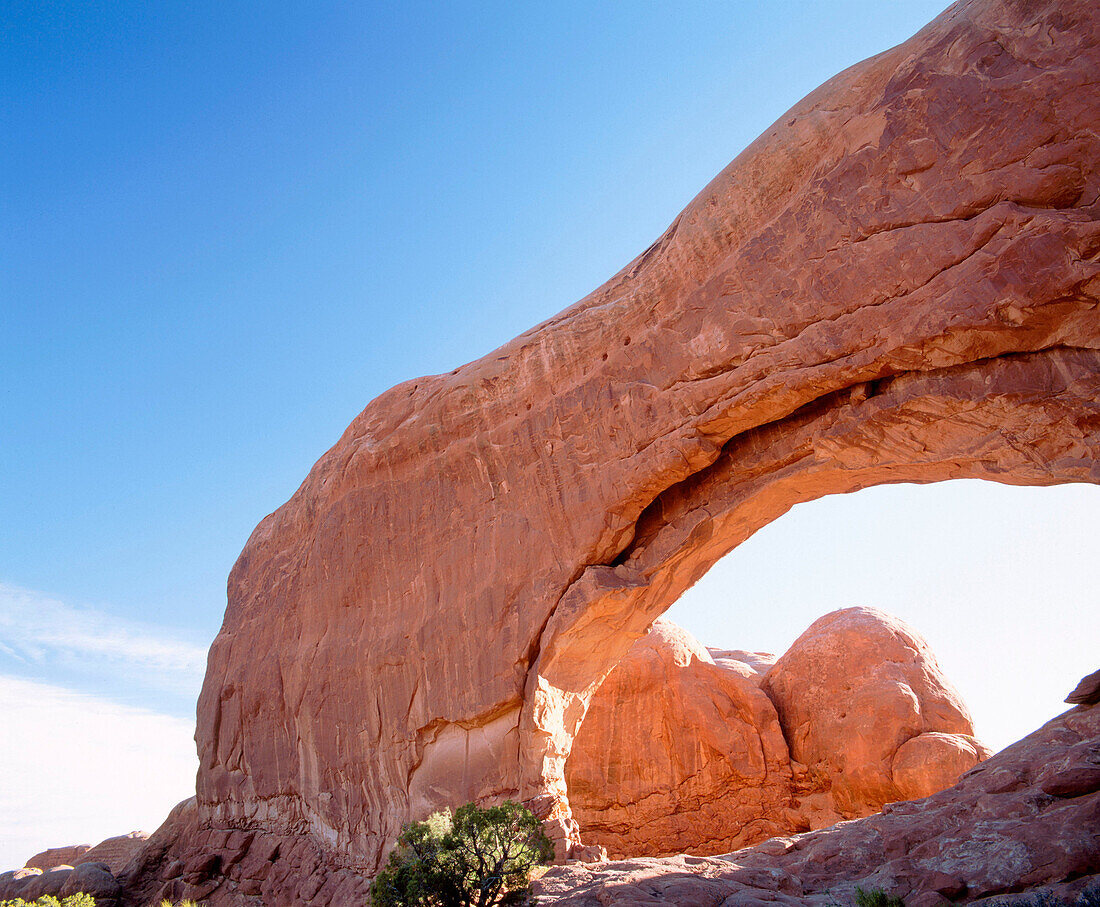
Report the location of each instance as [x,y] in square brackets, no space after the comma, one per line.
[685,752]
[898,281]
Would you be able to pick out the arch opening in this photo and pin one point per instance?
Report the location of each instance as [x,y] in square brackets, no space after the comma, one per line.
[1023,419]
[697,742]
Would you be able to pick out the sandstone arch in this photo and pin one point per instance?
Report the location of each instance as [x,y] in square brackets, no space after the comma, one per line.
[897,282]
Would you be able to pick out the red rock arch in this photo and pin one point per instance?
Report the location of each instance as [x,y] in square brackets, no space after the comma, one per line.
[962,422]
[897,282]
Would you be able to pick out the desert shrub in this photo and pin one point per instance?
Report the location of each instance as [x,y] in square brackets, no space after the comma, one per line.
[475,858]
[48,900]
[876,897]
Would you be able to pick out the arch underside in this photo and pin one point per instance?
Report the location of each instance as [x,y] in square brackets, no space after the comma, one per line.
[1021,419]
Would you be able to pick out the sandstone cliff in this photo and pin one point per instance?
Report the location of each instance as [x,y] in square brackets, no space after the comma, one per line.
[898,281]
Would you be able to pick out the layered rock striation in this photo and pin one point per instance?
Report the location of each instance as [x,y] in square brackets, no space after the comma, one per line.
[898,281]
[73,869]
[690,750]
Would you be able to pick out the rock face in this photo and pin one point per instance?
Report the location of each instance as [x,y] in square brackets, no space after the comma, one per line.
[115,852]
[185,858]
[865,708]
[679,753]
[898,281]
[682,752]
[1008,825]
[57,856]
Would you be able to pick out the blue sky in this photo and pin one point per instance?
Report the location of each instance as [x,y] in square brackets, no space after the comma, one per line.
[225,227]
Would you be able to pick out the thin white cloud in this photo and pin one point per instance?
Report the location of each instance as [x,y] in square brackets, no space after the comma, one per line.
[39,629]
[78,769]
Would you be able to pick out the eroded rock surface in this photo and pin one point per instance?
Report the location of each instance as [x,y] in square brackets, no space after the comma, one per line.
[72,869]
[186,859]
[682,752]
[1007,826]
[55,856]
[865,707]
[898,281]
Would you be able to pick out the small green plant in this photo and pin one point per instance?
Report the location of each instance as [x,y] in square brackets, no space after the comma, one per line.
[475,858]
[48,900]
[876,897]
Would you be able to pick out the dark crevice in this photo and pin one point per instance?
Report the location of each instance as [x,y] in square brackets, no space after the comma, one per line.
[652,512]
[853,394]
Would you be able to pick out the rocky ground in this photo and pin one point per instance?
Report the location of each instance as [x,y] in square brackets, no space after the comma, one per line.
[1023,825]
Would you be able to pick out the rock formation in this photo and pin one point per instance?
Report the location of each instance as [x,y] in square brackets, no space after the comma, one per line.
[1087,692]
[115,852]
[1028,818]
[685,752]
[57,856]
[865,708]
[898,281]
[61,871]
[680,753]
[31,883]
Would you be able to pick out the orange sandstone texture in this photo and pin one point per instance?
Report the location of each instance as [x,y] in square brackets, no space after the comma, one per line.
[866,709]
[689,750]
[898,281]
[1019,829]
[680,752]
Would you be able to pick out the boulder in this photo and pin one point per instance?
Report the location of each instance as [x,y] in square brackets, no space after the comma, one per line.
[865,707]
[682,752]
[45,884]
[679,754]
[95,879]
[13,883]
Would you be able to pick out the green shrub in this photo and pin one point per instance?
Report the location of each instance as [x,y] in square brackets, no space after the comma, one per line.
[876,897]
[477,858]
[48,900]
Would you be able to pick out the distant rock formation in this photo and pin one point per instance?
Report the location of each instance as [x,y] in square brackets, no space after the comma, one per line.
[114,853]
[57,856]
[865,708]
[679,753]
[689,750]
[1024,824]
[62,871]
